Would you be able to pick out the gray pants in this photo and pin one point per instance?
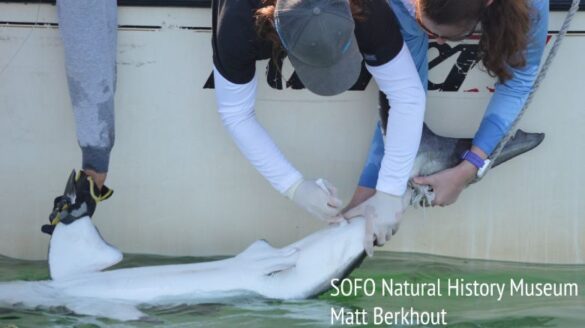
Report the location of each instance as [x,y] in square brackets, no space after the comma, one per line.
[89,32]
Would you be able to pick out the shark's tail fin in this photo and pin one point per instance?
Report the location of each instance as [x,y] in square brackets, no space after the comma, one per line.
[78,248]
[520,143]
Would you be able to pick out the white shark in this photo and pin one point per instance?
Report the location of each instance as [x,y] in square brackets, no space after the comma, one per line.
[78,254]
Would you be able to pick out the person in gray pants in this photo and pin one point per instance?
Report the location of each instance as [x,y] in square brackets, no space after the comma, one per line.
[89,32]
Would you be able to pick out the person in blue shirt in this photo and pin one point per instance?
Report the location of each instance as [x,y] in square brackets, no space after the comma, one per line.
[513,38]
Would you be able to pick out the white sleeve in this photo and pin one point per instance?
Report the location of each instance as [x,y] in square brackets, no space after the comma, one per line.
[399,80]
[235,104]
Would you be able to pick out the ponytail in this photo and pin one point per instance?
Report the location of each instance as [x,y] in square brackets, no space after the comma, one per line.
[505,26]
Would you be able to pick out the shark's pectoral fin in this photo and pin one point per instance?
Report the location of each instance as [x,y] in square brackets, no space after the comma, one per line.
[267,259]
[106,309]
[259,248]
[78,248]
[279,264]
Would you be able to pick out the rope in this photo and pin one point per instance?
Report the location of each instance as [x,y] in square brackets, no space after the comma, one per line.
[541,75]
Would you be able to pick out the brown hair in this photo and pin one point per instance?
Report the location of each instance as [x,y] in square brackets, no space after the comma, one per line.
[505,26]
[265,21]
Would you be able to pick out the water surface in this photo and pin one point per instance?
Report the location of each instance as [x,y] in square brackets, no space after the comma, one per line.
[463,311]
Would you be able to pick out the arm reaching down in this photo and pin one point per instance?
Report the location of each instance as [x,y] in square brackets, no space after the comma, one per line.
[399,80]
[236,108]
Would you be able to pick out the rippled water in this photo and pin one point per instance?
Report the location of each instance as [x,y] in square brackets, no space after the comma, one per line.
[513,311]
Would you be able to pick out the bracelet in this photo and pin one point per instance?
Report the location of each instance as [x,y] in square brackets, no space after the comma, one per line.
[473,158]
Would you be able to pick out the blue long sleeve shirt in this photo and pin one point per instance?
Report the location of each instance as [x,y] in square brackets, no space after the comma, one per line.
[505,104]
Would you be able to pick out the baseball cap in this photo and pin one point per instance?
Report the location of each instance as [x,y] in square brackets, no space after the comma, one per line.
[319,38]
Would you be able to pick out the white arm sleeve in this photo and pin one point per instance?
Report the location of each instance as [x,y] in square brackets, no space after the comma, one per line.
[399,80]
[236,107]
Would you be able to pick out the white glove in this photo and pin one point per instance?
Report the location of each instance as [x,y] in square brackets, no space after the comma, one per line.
[382,213]
[318,197]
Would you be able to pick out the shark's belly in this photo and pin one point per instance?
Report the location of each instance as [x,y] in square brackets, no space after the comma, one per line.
[158,283]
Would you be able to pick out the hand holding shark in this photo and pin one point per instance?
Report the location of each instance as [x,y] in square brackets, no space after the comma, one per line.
[448,184]
[437,155]
[318,197]
[383,213]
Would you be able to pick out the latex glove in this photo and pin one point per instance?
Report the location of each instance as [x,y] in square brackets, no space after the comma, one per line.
[318,197]
[383,213]
[448,184]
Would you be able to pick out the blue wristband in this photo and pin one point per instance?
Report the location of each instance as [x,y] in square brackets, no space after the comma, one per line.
[473,158]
